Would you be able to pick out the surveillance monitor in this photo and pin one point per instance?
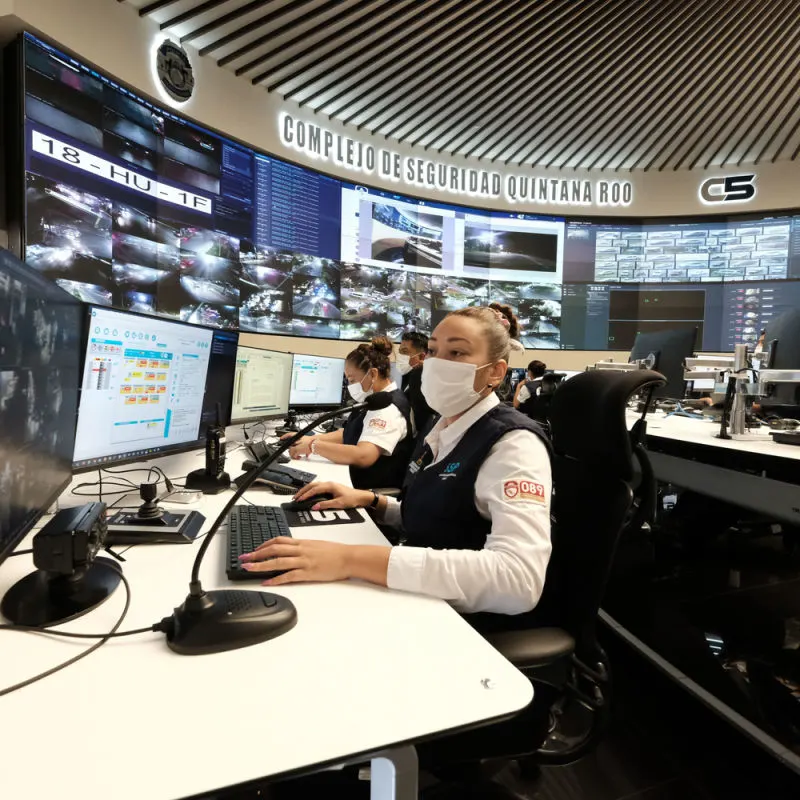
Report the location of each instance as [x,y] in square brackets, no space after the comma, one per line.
[261,384]
[316,382]
[40,337]
[666,352]
[782,338]
[150,386]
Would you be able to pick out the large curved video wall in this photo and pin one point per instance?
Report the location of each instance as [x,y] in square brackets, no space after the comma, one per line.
[131,206]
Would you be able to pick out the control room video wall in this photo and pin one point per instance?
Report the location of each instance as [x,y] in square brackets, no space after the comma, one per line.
[131,206]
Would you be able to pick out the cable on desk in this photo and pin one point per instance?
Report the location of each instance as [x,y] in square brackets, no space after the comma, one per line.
[154,628]
[88,651]
[20,553]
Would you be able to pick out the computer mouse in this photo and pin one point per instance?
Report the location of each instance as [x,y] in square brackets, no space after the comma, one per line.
[307,504]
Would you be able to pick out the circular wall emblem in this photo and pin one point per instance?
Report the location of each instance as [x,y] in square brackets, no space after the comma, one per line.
[175,71]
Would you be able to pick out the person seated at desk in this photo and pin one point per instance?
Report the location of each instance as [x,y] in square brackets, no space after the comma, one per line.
[528,389]
[475,510]
[377,445]
[410,357]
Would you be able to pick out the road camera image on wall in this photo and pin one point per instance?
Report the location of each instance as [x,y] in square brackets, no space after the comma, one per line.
[404,236]
[489,245]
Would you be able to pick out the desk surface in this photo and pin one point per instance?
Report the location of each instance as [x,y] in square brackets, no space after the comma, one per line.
[365,668]
[703,432]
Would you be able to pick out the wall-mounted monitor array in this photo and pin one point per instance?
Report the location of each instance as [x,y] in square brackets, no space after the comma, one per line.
[150,386]
[40,346]
[131,206]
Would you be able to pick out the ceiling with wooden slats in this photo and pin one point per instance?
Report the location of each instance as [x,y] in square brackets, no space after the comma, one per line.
[563,84]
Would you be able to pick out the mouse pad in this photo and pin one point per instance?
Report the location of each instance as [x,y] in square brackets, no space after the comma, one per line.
[343,516]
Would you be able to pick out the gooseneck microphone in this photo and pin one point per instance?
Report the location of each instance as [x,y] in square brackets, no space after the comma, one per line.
[227,619]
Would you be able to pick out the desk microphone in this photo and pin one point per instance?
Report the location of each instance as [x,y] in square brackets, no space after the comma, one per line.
[227,619]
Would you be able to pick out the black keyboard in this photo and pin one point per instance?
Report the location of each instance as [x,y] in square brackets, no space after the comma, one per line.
[249,527]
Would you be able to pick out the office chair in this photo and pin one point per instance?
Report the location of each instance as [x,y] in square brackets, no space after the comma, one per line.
[595,479]
[538,406]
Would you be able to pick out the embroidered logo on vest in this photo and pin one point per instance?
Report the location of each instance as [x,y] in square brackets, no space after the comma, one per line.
[450,470]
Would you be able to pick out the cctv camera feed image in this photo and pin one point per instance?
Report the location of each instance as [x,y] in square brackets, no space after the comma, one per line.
[131,206]
[40,344]
[406,236]
[488,245]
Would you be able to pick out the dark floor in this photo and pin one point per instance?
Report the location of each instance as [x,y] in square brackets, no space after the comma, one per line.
[662,745]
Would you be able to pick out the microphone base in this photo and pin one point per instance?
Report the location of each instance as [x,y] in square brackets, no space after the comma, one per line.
[228,619]
[200,480]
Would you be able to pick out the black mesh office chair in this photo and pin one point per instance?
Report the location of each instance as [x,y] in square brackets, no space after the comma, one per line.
[596,480]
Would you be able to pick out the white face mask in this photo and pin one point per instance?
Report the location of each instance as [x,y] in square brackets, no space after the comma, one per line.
[404,364]
[358,392]
[448,386]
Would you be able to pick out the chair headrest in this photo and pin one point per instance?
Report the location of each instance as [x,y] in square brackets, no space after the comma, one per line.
[587,418]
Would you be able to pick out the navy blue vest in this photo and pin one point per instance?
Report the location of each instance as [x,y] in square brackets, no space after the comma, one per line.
[388,471]
[529,406]
[439,502]
[438,505]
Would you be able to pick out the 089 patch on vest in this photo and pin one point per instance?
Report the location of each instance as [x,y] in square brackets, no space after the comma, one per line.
[524,490]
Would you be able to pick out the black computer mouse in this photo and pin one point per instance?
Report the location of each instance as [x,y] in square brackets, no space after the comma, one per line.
[307,504]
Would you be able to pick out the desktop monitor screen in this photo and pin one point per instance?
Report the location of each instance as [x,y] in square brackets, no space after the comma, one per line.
[782,337]
[261,384]
[670,349]
[40,337]
[149,386]
[316,381]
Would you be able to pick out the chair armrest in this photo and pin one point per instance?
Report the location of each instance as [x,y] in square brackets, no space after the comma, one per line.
[388,492]
[534,647]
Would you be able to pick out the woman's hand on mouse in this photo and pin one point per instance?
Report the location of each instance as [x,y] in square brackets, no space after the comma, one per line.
[343,496]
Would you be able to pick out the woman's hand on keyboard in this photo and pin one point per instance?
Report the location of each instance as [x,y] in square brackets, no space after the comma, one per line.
[343,496]
[311,560]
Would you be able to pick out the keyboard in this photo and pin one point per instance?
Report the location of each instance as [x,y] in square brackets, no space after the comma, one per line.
[249,527]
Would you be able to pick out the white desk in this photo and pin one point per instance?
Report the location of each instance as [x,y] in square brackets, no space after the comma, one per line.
[364,670]
[757,474]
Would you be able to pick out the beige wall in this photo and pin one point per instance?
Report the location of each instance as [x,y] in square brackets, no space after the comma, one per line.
[555,359]
[113,37]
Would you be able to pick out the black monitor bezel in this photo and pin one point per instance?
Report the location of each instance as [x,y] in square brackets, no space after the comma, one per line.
[77,467]
[261,417]
[13,541]
[309,408]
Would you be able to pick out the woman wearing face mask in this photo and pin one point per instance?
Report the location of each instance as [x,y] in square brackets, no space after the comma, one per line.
[377,445]
[475,513]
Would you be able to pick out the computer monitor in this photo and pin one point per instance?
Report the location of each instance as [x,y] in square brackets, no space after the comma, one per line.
[261,384]
[40,345]
[150,386]
[667,351]
[782,340]
[316,382]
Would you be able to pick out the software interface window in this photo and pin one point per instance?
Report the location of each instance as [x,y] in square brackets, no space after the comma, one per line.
[316,381]
[261,383]
[143,386]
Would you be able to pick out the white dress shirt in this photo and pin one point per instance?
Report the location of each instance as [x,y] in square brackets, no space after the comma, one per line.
[507,575]
[386,427]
